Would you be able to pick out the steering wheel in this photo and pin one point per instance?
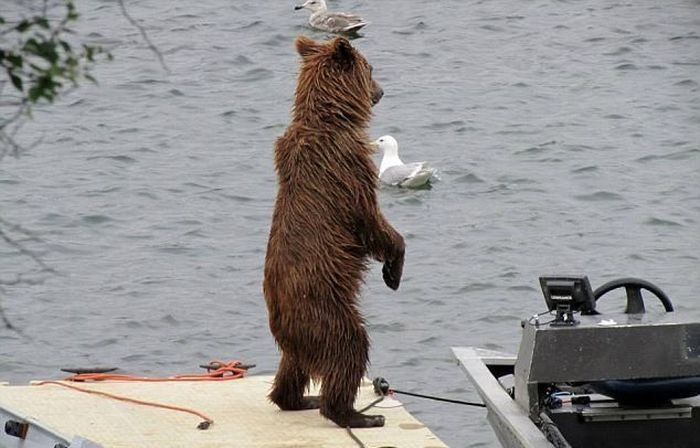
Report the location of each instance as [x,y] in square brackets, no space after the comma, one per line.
[633,287]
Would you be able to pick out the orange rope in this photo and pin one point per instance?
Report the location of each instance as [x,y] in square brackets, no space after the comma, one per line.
[220,371]
[203,425]
[224,371]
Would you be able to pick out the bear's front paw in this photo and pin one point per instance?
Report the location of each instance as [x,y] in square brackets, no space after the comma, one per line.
[390,275]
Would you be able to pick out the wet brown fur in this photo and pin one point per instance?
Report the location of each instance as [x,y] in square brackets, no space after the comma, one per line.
[326,226]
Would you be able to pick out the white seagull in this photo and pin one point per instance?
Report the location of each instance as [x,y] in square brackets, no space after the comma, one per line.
[393,171]
[332,22]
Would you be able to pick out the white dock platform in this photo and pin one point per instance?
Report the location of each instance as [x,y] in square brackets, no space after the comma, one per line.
[243,417]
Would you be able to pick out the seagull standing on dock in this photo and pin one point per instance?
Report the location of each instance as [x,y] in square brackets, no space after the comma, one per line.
[332,22]
[393,171]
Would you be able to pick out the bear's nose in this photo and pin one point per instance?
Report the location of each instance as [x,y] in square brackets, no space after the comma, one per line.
[378,94]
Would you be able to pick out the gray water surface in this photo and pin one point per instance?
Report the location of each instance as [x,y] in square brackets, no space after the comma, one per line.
[567,134]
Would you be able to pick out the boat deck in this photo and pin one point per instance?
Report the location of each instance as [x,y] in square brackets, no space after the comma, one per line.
[242,415]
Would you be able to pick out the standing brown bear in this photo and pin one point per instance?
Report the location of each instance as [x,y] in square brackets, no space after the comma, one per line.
[325,228]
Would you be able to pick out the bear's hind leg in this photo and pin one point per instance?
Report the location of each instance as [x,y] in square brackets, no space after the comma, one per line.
[289,386]
[342,381]
[337,399]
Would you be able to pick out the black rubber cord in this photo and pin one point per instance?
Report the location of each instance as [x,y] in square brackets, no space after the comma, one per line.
[381,387]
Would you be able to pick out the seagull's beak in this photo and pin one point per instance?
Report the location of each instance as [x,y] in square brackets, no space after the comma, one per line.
[374,145]
[298,7]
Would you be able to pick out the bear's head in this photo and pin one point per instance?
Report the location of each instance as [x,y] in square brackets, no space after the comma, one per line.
[335,80]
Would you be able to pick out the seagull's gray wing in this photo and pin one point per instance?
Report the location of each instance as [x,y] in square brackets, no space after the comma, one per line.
[337,22]
[394,175]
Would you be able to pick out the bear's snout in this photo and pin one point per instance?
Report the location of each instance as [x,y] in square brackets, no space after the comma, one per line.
[377,94]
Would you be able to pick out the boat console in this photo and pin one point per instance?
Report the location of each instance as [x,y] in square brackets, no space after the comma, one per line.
[628,379]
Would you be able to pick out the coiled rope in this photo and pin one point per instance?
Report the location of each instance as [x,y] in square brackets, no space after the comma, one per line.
[216,371]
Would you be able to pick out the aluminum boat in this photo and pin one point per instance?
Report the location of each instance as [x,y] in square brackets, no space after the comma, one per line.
[583,379]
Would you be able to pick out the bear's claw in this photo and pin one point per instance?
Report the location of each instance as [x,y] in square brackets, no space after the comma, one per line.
[389,277]
[357,420]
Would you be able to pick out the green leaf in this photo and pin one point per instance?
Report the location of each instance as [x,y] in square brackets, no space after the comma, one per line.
[48,52]
[42,22]
[43,63]
[16,81]
[72,14]
[45,87]
[23,26]
[43,49]
[88,51]
[54,70]
[14,59]
[31,46]
[35,93]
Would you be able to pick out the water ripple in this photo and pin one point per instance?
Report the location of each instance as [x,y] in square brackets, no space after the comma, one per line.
[119,158]
[469,178]
[661,222]
[585,169]
[95,219]
[680,155]
[600,196]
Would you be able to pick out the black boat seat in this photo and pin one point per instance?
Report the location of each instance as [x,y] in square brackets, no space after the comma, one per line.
[649,391]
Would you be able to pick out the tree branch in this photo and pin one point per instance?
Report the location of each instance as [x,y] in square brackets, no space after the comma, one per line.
[6,228]
[22,250]
[32,69]
[145,37]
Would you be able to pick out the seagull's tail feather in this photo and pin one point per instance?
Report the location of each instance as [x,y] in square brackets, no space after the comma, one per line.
[420,177]
[355,27]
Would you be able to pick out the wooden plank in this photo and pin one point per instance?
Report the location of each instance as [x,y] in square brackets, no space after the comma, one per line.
[242,416]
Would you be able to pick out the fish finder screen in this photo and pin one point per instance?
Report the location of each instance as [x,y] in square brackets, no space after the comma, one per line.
[574,292]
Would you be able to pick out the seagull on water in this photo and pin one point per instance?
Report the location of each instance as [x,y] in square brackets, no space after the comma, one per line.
[332,22]
[393,171]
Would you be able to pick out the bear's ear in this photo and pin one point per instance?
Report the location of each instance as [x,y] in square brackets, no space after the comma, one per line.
[343,52]
[306,47]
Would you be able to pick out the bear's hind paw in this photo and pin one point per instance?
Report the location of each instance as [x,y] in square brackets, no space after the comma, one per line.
[358,420]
